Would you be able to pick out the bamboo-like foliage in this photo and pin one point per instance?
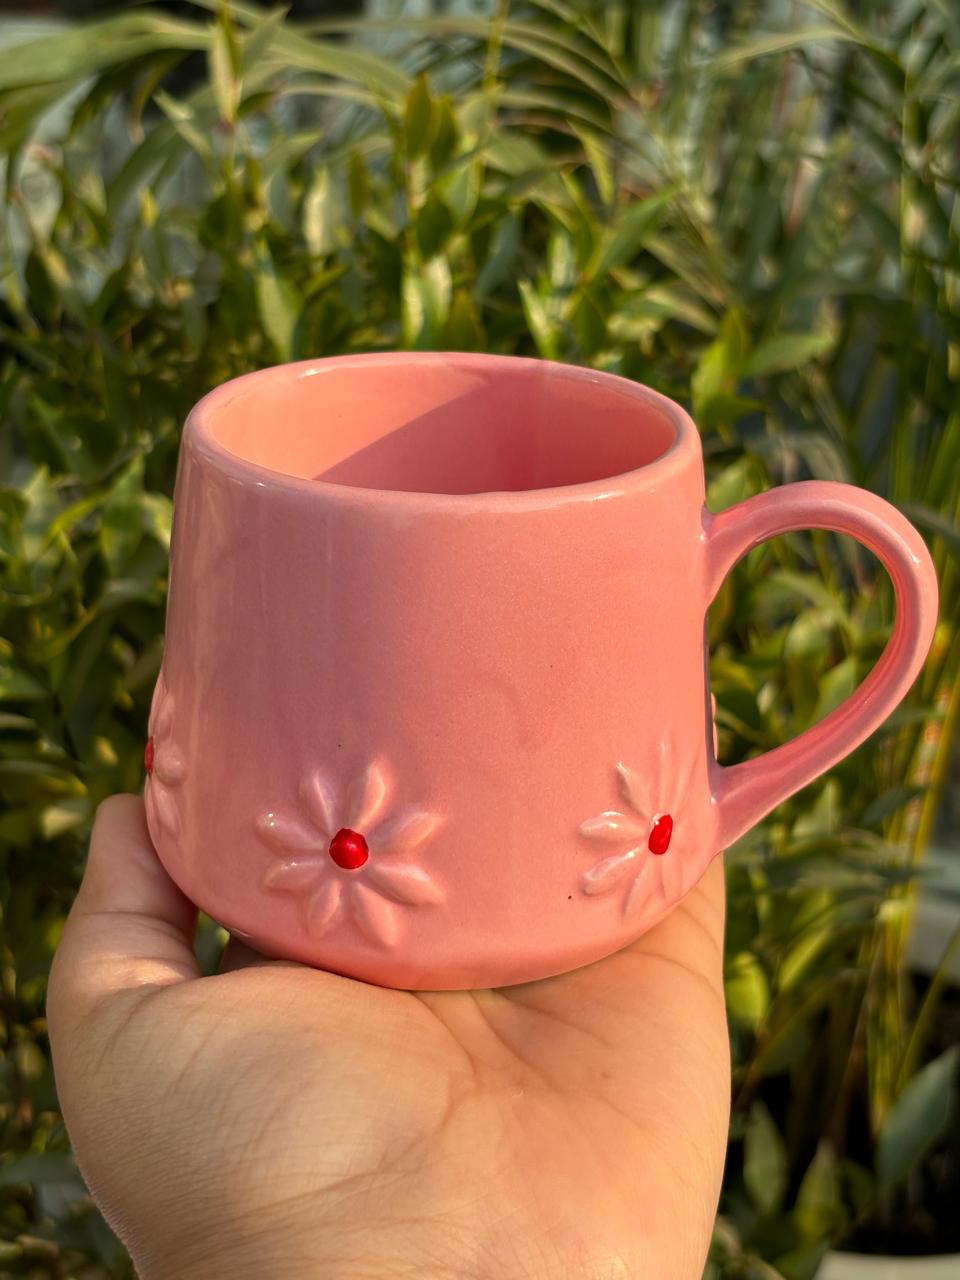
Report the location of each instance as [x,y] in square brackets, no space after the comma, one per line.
[753,207]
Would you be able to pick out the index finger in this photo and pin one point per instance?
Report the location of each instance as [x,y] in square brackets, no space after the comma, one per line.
[130,927]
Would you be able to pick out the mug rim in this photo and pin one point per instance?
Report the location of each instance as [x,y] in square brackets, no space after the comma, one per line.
[199,437]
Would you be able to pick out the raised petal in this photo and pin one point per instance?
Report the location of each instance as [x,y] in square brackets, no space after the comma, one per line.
[404,884]
[672,873]
[404,833]
[166,809]
[168,765]
[639,893]
[376,918]
[606,875]
[662,769]
[153,817]
[158,695]
[317,794]
[677,789]
[632,789]
[162,713]
[286,835]
[612,826]
[324,906]
[367,796]
[294,874]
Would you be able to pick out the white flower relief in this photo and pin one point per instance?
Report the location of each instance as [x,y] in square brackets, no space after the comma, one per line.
[659,855]
[343,855]
[164,765]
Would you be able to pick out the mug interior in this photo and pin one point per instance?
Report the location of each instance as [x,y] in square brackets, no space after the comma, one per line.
[441,425]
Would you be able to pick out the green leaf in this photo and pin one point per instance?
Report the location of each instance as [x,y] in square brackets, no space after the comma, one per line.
[748,990]
[321,214]
[433,225]
[358,184]
[836,685]
[796,963]
[762,46]
[733,484]
[887,803]
[443,143]
[130,514]
[461,190]
[157,511]
[589,324]
[819,1212]
[935,522]
[822,818]
[338,60]
[658,304]
[257,44]
[418,118]
[571,111]
[67,814]
[918,1119]
[18,686]
[224,62]
[622,242]
[597,153]
[765,1168]
[40,1168]
[719,367]
[501,258]
[542,329]
[278,303]
[426,294]
[74,54]
[786,351]
[809,635]
[464,330]
[183,118]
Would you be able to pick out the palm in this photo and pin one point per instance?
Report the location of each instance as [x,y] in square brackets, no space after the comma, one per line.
[574,1126]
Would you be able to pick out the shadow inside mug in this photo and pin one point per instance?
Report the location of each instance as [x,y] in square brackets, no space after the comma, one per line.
[445,428]
[494,438]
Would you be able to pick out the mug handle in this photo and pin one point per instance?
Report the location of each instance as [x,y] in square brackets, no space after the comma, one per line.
[744,793]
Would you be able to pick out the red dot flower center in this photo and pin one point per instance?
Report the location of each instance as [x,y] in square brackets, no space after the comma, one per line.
[348,849]
[148,756]
[660,834]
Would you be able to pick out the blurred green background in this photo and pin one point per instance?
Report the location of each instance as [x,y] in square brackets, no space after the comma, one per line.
[752,207]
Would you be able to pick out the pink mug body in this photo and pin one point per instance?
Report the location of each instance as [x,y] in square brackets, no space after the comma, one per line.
[434,709]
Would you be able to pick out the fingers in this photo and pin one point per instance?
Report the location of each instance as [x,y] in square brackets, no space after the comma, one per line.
[124,874]
[130,928]
[706,902]
[692,933]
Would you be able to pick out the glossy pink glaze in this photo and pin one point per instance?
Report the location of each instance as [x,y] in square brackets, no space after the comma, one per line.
[442,616]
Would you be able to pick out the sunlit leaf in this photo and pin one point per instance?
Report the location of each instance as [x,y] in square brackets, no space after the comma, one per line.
[748,990]
[761,46]
[225,69]
[765,1169]
[542,327]
[321,213]
[279,305]
[624,240]
[819,1211]
[786,351]
[418,117]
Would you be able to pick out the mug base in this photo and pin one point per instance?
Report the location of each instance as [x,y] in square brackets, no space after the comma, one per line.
[461,973]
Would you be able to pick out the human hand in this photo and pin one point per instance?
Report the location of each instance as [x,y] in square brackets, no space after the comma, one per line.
[272,1120]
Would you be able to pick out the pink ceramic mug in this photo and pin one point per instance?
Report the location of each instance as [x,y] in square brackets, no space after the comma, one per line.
[434,709]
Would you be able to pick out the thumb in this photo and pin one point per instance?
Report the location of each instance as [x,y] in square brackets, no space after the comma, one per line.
[130,929]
